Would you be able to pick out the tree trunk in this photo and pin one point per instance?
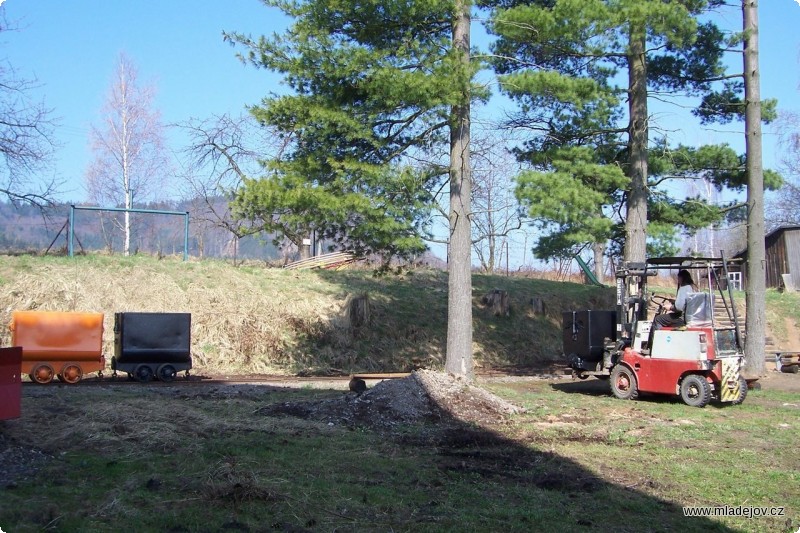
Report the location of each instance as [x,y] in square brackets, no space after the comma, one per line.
[755,322]
[636,223]
[459,303]
[491,229]
[598,248]
[124,142]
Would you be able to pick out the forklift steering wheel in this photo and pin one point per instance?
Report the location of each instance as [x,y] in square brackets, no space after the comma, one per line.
[663,302]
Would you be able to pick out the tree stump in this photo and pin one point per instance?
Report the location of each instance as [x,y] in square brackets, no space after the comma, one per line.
[498,301]
[357,311]
[538,306]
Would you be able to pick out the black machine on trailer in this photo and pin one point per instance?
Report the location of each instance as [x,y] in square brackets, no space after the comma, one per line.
[148,345]
[699,361]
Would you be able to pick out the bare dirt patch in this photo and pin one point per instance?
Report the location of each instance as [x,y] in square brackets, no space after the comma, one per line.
[422,396]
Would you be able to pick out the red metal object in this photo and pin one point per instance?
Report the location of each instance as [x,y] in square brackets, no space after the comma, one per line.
[10,382]
[661,376]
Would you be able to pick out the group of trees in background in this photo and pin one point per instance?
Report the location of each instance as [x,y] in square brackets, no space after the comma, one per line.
[375,141]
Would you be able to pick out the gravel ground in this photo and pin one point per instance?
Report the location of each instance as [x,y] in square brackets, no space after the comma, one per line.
[18,463]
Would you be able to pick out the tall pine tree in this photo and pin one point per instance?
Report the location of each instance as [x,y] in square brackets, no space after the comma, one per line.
[376,86]
[583,72]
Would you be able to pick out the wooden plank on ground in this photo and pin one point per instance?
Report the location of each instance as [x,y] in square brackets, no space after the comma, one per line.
[390,375]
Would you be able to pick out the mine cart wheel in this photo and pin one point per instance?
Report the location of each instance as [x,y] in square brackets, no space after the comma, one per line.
[623,383]
[143,373]
[71,374]
[42,374]
[742,391]
[167,373]
[695,391]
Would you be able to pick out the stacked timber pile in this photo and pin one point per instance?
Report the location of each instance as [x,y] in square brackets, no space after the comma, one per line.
[331,260]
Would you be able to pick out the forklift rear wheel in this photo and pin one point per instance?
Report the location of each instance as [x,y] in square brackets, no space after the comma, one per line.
[695,391]
[623,383]
[742,391]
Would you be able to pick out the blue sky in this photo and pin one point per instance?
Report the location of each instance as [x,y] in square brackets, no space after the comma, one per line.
[71,48]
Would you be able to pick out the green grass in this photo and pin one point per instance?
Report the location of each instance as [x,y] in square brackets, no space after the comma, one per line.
[782,308]
[153,460]
[734,455]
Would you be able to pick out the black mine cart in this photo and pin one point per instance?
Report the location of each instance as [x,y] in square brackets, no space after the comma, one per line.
[152,344]
[585,336]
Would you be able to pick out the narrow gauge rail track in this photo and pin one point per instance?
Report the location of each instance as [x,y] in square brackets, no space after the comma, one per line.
[281,380]
[122,379]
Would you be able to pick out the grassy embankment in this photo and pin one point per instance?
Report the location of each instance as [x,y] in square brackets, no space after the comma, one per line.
[253,319]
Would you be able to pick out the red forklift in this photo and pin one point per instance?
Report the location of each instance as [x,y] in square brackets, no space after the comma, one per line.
[698,362]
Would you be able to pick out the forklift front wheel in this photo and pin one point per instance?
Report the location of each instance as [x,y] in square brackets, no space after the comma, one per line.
[623,383]
[742,391]
[695,391]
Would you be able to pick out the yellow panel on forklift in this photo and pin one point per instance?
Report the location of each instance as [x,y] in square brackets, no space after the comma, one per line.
[729,387]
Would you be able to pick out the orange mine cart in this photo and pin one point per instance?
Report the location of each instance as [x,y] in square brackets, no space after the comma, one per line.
[63,344]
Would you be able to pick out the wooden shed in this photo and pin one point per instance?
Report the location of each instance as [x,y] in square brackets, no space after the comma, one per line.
[782,247]
[783,256]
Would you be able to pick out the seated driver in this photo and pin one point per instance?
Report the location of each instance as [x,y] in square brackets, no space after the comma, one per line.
[674,318]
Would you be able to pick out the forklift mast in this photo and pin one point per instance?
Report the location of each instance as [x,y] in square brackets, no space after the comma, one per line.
[631,298]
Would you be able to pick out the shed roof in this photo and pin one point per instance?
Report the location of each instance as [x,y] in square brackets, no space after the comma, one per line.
[779,229]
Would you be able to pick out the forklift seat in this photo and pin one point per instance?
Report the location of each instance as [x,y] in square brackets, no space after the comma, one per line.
[699,311]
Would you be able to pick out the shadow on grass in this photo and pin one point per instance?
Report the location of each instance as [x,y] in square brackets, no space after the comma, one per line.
[256,458]
[407,323]
[475,477]
[600,387]
[588,387]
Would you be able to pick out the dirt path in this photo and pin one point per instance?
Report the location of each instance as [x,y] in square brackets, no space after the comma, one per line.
[794,335]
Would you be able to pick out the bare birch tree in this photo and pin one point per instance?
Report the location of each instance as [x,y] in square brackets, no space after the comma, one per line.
[784,208]
[129,160]
[495,210]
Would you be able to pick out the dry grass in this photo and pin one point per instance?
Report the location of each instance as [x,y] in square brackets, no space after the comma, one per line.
[256,319]
[242,320]
[253,319]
